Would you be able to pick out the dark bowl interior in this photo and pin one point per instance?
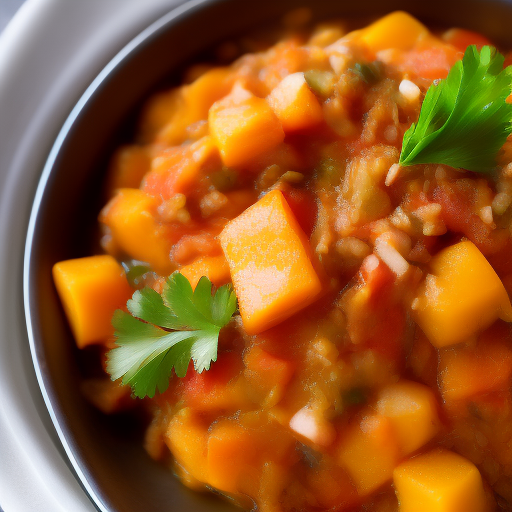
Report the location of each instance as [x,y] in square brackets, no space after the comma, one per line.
[106,452]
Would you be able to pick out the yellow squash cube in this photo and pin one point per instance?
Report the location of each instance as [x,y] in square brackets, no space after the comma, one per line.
[412,410]
[460,297]
[269,259]
[91,289]
[439,481]
[396,30]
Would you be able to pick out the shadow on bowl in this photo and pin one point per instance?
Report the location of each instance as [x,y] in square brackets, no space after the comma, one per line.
[106,452]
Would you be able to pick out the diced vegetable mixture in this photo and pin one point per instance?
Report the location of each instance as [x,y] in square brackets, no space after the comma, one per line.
[307,270]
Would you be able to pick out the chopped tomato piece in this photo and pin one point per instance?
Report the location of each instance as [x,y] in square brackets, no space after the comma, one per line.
[462,38]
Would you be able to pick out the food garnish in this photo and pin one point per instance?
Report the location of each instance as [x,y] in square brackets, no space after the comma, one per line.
[165,331]
[464,119]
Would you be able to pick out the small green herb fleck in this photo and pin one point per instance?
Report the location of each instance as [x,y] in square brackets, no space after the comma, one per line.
[371,73]
[320,82]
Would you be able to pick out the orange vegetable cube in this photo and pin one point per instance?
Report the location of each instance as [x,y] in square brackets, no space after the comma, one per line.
[167,116]
[106,395]
[203,92]
[469,371]
[267,374]
[91,289]
[369,453]
[460,297]
[243,127]
[332,487]
[187,438]
[160,110]
[178,169]
[274,479]
[195,102]
[270,264]
[154,438]
[215,268]
[439,481]
[127,168]
[231,452]
[396,30]
[130,215]
[239,449]
[412,410]
[295,104]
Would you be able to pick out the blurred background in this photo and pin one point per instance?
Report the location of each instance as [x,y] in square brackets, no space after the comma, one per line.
[7,10]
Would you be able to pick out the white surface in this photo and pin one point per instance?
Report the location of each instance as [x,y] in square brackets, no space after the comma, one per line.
[49,53]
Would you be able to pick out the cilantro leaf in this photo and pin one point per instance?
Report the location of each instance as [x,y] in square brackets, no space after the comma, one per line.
[465,119]
[162,333]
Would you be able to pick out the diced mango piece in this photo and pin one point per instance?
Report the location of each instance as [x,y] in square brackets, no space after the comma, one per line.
[295,104]
[439,481]
[243,127]
[465,372]
[396,30]
[369,453]
[130,215]
[215,268]
[270,265]
[461,296]
[412,410]
[187,438]
[91,289]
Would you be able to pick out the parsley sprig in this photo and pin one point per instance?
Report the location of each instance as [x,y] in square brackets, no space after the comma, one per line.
[165,331]
[465,119]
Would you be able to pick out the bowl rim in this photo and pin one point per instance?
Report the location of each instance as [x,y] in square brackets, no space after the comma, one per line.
[165,22]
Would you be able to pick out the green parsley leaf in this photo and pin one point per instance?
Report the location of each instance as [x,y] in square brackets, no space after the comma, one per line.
[464,120]
[164,332]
